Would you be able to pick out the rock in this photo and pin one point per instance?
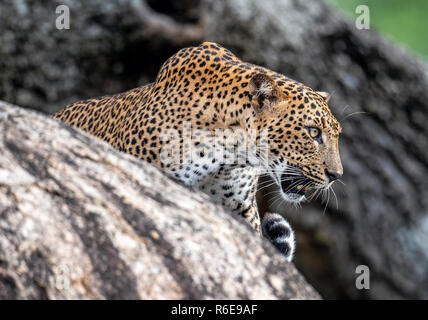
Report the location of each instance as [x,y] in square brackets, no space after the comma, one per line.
[110,47]
[80,220]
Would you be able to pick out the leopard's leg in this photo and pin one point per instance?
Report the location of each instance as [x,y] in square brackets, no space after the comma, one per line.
[251,215]
[235,189]
[280,233]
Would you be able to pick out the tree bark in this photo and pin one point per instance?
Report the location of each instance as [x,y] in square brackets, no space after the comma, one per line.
[80,220]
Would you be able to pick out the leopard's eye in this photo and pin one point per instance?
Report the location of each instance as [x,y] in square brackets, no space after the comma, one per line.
[314,132]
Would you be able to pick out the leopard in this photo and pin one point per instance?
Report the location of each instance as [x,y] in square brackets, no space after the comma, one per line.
[206,100]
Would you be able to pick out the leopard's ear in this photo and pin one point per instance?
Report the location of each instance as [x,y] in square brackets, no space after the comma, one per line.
[264,90]
[325,95]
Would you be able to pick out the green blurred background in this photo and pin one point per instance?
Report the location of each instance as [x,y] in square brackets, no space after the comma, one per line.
[404,21]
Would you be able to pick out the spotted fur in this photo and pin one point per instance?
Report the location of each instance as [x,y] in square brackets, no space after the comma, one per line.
[210,88]
[279,232]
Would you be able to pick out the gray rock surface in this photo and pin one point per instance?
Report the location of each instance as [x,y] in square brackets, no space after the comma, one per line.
[111,46]
[79,220]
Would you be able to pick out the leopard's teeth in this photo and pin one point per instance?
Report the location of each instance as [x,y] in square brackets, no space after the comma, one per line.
[300,187]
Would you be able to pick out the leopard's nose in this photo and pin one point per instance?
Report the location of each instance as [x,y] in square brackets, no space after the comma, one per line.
[331,175]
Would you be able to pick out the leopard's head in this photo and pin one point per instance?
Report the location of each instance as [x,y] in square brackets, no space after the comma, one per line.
[302,135]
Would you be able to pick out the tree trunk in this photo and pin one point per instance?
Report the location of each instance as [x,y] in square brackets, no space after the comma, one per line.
[80,220]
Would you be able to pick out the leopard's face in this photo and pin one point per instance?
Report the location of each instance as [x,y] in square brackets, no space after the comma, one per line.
[303,138]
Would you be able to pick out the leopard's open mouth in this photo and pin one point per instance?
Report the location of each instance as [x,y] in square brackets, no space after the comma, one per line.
[294,185]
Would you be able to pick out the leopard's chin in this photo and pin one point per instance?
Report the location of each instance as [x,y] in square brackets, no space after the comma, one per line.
[293,197]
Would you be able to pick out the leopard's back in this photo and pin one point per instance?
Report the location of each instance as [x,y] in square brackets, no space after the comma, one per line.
[104,116]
